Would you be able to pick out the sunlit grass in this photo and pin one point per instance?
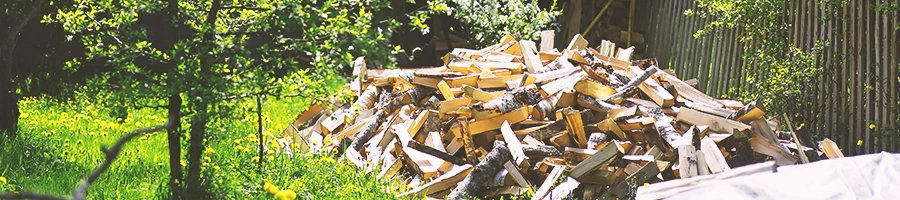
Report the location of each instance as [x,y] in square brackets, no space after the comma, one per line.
[59,144]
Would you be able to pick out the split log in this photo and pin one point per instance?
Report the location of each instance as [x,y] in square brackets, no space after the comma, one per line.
[485,169]
[831,149]
[527,95]
[595,104]
[443,182]
[620,191]
[541,151]
[608,152]
[748,113]
[558,126]
[631,88]
[435,152]
[664,127]
[548,182]
[595,139]
[366,133]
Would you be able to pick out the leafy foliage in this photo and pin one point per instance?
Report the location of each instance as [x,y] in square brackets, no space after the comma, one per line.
[784,72]
[486,21]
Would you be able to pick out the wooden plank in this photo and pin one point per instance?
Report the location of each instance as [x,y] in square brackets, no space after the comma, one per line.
[605,154]
[563,190]
[553,87]
[547,37]
[531,59]
[548,182]
[478,94]
[447,106]
[714,158]
[715,123]
[445,91]
[831,149]
[496,81]
[464,80]
[515,146]
[575,126]
[443,182]
[652,88]
[594,89]
[494,123]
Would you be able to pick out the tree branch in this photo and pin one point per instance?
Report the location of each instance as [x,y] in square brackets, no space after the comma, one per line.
[111,154]
[244,8]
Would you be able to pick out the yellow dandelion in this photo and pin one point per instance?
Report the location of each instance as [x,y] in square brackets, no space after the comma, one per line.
[255,159]
[266,134]
[206,164]
[3,180]
[872,126]
[238,141]
[216,167]
[315,143]
[271,158]
[290,194]
[65,152]
[183,163]
[66,140]
[210,150]
[270,152]
[266,186]
[327,140]
[207,159]
[281,194]
[859,143]
[273,189]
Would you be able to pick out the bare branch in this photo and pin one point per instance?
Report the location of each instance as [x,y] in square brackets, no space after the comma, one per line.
[111,154]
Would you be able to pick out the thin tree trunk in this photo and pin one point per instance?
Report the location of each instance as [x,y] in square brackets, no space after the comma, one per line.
[167,44]
[195,150]
[198,123]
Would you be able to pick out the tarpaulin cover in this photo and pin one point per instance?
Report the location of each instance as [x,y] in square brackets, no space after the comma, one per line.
[874,176]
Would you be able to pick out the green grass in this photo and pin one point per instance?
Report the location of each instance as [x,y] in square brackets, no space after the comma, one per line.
[59,144]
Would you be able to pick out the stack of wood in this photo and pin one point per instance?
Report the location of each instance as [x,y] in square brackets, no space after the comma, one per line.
[582,122]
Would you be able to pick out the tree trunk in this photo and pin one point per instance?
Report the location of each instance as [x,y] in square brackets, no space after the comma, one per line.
[9,103]
[169,35]
[195,150]
[9,107]
[201,103]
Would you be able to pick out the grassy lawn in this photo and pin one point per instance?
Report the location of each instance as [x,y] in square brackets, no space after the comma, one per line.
[59,144]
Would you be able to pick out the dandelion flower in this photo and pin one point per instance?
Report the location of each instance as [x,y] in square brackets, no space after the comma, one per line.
[255,159]
[290,194]
[238,141]
[206,164]
[210,150]
[207,159]
[871,126]
[65,152]
[183,163]
[281,194]
[327,140]
[273,189]
[266,186]
[3,180]
[216,167]
[271,158]
[859,143]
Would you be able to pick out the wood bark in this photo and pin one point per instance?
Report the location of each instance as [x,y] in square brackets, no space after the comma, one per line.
[541,151]
[595,139]
[528,95]
[631,88]
[367,131]
[485,170]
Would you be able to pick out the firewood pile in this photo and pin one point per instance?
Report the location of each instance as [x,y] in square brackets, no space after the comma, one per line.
[518,116]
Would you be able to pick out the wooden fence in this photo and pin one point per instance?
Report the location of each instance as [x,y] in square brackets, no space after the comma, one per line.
[859,85]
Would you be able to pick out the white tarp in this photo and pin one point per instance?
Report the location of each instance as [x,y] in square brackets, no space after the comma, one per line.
[874,176]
